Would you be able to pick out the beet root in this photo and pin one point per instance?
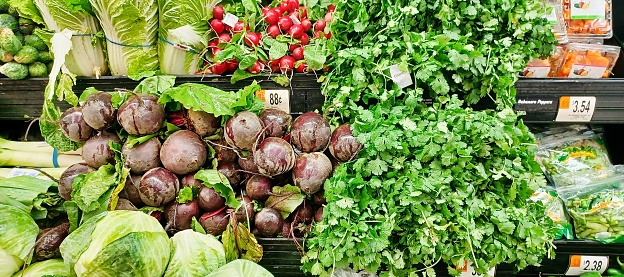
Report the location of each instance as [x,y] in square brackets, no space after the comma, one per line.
[274,156]
[125,204]
[49,241]
[269,222]
[183,152]
[318,216]
[210,200]
[276,121]
[242,130]
[158,187]
[141,115]
[258,188]
[319,198]
[202,123]
[131,190]
[180,215]
[67,178]
[190,181]
[245,210]
[232,171]
[248,164]
[343,145]
[310,172]
[214,224]
[73,125]
[143,157]
[98,111]
[304,214]
[96,151]
[224,153]
[310,132]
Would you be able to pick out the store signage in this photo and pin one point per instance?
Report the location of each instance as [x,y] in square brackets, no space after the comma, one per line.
[15,172]
[536,104]
[403,79]
[230,19]
[583,264]
[469,271]
[576,108]
[275,98]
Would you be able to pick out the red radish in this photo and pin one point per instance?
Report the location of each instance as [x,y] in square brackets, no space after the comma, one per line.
[293,4]
[265,10]
[305,39]
[301,68]
[256,68]
[272,17]
[217,25]
[252,39]
[219,68]
[224,38]
[232,65]
[285,23]
[329,16]
[320,25]
[274,65]
[278,11]
[296,31]
[285,7]
[273,31]
[318,34]
[287,63]
[217,12]
[306,24]
[331,8]
[213,44]
[215,51]
[328,35]
[239,27]
[298,53]
[303,11]
[292,47]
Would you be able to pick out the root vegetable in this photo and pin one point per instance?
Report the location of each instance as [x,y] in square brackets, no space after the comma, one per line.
[310,172]
[158,187]
[49,241]
[274,156]
[183,152]
[180,215]
[141,115]
[202,123]
[96,151]
[190,181]
[269,222]
[214,224]
[232,171]
[67,178]
[248,164]
[131,190]
[143,157]
[310,132]
[125,204]
[343,145]
[98,111]
[318,216]
[210,200]
[276,121]
[246,210]
[319,198]
[258,187]
[224,154]
[242,130]
[73,125]
[286,229]
[304,214]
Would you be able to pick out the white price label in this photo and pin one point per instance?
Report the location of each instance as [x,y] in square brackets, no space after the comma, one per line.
[294,19]
[469,271]
[576,108]
[275,98]
[230,20]
[401,78]
[15,172]
[583,264]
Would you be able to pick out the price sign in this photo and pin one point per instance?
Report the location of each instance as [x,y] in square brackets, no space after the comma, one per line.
[583,264]
[469,271]
[230,20]
[576,108]
[275,98]
[22,172]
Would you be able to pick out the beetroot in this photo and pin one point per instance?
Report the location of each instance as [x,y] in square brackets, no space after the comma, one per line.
[248,164]
[276,121]
[310,132]
[269,222]
[304,213]
[183,152]
[343,145]
[98,111]
[246,209]
[141,115]
[274,156]
[224,154]
[158,187]
[318,216]
[232,171]
[73,125]
[286,229]
[96,151]
[190,181]
[242,130]
[319,198]
[142,157]
[310,172]
[125,204]
[67,178]
[210,200]
[258,187]
[214,224]
[131,190]
[180,215]
[202,123]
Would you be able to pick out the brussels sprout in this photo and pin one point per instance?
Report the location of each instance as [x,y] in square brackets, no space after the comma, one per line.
[27,55]
[49,65]
[38,69]
[26,26]
[45,57]
[8,21]
[4,5]
[5,56]
[14,71]
[9,42]
[35,41]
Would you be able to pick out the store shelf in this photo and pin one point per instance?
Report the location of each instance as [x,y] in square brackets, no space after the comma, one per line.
[539,98]
[21,99]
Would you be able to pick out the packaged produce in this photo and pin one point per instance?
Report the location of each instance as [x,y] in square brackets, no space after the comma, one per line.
[588,18]
[597,209]
[542,68]
[574,160]
[555,210]
[555,17]
[588,61]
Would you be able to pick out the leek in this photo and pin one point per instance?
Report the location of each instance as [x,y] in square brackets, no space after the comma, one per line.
[36,159]
[31,146]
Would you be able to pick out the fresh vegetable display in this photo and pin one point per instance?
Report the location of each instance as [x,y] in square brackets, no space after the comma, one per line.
[555,210]
[18,232]
[583,19]
[588,61]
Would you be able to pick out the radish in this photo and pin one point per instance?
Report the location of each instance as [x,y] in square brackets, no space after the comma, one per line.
[310,172]
[285,23]
[331,8]
[310,132]
[320,25]
[279,11]
[274,156]
[239,27]
[272,17]
[252,39]
[274,65]
[329,16]
[306,24]
[296,31]
[224,38]
[301,68]
[318,34]
[328,35]
[232,65]
[292,47]
[287,63]
[293,5]
[273,31]
[217,25]
[219,68]
[305,39]
[297,53]
[285,7]
[217,12]
[303,11]
[256,68]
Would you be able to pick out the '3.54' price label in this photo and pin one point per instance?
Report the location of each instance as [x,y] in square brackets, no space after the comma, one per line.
[576,108]
[583,264]
[275,99]
[469,271]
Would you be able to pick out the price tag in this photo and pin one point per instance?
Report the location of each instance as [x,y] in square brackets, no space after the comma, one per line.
[230,19]
[22,172]
[583,264]
[275,98]
[576,108]
[469,271]
[401,78]
[294,19]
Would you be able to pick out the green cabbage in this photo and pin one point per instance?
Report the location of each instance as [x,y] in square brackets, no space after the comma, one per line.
[183,22]
[37,196]
[118,243]
[241,268]
[133,24]
[54,267]
[86,57]
[18,233]
[194,254]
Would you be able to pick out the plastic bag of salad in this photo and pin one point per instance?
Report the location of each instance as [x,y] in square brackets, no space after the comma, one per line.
[575,159]
[597,209]
[555,210]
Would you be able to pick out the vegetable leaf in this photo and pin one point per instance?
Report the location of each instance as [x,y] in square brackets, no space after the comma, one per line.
[240,243]
[88,192]
[200,97]
[155,85]
[212,178]
[285,199]
[185,195]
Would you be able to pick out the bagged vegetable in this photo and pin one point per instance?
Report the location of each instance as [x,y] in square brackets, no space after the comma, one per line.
[18,233]
[555,210]
[597,209]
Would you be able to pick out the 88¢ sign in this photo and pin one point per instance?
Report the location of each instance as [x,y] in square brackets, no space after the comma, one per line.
[275,99]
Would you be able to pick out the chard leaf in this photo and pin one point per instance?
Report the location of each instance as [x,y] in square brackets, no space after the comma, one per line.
[90,191]
[155,85]
[185,195]
[285,199]
[240,243]
[241,74]
[88,91]
[200,97]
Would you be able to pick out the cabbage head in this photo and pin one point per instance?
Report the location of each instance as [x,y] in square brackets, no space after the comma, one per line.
[241,268]
[118,243]
[18,233]
[54,267]
[194,254]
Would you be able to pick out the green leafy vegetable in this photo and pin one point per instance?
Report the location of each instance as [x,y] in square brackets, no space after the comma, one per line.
[185,195]
[89,192]
[212,178]
[38,197]
[240,243]
[52,268]
[18,233]
[285,199]
[194,254]
[241,268]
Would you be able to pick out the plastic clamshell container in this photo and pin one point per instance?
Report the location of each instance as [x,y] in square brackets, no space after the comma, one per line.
[539,68]
[598,41]
[588,61]
[555,17]
[588,18]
